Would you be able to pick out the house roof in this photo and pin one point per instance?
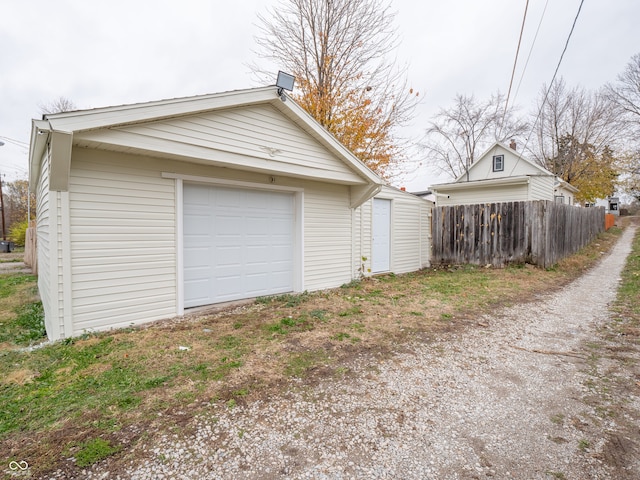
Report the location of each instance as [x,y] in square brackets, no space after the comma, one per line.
[489,151]
[58,130]
[460,182]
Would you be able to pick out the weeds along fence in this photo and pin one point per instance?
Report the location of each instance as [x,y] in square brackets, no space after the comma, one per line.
[541,232]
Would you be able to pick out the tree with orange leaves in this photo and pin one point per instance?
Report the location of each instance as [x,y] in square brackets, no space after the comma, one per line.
[338,51]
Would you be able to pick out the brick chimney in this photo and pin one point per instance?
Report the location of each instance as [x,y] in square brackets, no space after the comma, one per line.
[512,144]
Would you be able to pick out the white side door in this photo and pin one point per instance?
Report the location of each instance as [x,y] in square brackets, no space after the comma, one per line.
[381,230]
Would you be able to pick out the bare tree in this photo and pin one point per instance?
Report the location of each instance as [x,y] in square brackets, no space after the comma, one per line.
[16,201]
[577,133]
[625,93]
[587,117]
[630,173]
[339,50]
[60,104]
[459,134]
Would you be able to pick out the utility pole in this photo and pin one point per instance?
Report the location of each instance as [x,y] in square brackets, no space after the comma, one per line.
[4,236]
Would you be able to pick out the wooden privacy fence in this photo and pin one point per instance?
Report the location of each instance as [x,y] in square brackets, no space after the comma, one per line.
[30,252]
[540,232]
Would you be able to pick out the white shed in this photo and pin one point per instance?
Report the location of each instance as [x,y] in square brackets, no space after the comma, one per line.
[502,174]
[147,210]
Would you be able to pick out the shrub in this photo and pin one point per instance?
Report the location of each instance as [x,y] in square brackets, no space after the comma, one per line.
[18,232]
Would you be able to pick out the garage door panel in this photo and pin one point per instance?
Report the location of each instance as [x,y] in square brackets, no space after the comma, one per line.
[256,281]
[281,204]
[228,225]
[195,252]
[280,226]
[227,197]
[237,245]
[258,201]
[199,289]
[226,289]
[256,255]
[280,283]
[225,256]
[196,225]
[196,195]
[256,240]
[281,254]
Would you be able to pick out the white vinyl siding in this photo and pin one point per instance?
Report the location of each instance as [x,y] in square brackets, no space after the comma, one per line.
[327,236]
[43,231]
[122,222]
[256,138]
[362,239]
[541,188]
[489,194]
[411,230]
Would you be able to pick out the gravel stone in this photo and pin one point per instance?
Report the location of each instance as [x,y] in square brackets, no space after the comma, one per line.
[501,400]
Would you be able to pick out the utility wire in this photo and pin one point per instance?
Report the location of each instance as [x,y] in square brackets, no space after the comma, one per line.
[535,37]
[15,142]
[513,71]
[546,95]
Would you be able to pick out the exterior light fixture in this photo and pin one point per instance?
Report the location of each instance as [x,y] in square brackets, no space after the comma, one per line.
[285,81]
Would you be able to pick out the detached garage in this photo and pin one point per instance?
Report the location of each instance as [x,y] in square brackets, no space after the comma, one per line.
[146,210]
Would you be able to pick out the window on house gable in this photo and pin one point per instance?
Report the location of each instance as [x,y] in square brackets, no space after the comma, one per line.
[498,163]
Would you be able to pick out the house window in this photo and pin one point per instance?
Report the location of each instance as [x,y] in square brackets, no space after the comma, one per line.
[498,163]
[559,198]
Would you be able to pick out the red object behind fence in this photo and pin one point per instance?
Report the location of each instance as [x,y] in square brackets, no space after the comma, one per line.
[609,220]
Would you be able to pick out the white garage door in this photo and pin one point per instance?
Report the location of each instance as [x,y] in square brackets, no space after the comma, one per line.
[238,243]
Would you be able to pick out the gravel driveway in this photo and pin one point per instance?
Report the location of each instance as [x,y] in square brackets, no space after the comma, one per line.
[519,395]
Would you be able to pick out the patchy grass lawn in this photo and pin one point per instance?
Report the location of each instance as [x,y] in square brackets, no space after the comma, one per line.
[628,300]
[96,396]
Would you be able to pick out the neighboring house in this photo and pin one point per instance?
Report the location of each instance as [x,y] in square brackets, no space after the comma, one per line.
[611,205]
[147,210]
[502,174]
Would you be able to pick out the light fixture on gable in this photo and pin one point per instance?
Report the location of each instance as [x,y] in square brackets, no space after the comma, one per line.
[285,81]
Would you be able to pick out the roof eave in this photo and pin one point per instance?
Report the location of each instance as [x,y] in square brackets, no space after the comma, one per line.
[40,131]
[481,183]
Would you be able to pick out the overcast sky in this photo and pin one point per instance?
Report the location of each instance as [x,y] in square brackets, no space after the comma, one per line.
[102,53]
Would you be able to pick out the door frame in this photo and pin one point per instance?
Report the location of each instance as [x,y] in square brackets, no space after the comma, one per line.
[298,221]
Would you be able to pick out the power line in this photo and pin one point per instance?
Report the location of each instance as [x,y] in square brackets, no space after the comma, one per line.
[513,71]
[546,95]
[15,142]
[535,37]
